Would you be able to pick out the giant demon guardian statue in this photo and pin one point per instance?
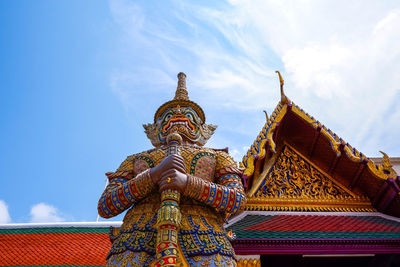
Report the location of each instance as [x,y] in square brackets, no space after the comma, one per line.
[178,194]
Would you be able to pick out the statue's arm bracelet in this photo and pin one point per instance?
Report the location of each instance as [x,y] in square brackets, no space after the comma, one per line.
[120,194]
[228,196]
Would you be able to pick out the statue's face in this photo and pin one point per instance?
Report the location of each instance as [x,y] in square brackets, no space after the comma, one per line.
[184,121]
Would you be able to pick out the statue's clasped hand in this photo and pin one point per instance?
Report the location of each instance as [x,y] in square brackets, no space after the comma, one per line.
[172,179]
[170,162]
[170,173]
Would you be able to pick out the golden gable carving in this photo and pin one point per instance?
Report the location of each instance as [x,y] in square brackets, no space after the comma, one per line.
[293,183]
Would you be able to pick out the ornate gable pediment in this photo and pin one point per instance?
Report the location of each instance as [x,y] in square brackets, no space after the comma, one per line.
[290,182]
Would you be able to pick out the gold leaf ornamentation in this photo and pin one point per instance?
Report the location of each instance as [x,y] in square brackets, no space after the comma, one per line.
[294,184]
[292,176]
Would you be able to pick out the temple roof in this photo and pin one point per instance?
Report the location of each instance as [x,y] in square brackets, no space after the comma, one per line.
[336,161]
[60,244]
[266,232]
[313,232]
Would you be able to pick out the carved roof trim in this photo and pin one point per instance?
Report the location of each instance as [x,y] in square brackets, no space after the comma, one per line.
[265,140]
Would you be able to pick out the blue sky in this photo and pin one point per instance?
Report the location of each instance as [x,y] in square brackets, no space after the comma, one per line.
[79,78]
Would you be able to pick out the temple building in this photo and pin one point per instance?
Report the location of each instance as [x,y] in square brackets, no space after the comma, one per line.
[312,199]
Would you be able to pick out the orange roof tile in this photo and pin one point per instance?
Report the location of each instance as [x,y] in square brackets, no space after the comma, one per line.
[74,246]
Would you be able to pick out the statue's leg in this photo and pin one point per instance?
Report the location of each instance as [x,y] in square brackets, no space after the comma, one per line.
[130,258]
[216,260]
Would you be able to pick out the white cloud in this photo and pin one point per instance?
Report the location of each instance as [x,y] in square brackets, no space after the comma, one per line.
[341,68]
[43,212]
[4,215]
[340,60]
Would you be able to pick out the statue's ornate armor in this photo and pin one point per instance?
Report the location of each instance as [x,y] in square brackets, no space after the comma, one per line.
[214,191]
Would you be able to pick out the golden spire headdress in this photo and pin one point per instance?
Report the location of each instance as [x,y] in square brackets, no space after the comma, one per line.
[182,99]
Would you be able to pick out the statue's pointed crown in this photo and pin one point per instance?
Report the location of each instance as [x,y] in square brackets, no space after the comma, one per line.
[182,99]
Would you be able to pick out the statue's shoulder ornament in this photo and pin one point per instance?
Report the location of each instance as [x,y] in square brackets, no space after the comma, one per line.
[135,164]
[198,152]
[147,159]
[220,155]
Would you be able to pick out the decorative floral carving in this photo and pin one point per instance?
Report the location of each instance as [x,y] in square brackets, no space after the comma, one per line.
[293,176]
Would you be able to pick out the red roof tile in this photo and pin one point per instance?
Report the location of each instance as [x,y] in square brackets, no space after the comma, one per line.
[322,223]
[59,247]
[316,226]
[313,233]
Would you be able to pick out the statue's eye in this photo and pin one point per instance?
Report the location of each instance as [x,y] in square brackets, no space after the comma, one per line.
[168,117]
[189,116]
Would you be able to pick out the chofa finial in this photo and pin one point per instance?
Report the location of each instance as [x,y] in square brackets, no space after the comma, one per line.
[284,98]
[386,166]
[181,91]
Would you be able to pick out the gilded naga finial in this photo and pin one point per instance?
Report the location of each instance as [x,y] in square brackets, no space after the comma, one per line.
[284,98]
[386,166]
[266,117]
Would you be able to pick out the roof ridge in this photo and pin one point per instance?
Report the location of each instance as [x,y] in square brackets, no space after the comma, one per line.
[258,149]
[60,225]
